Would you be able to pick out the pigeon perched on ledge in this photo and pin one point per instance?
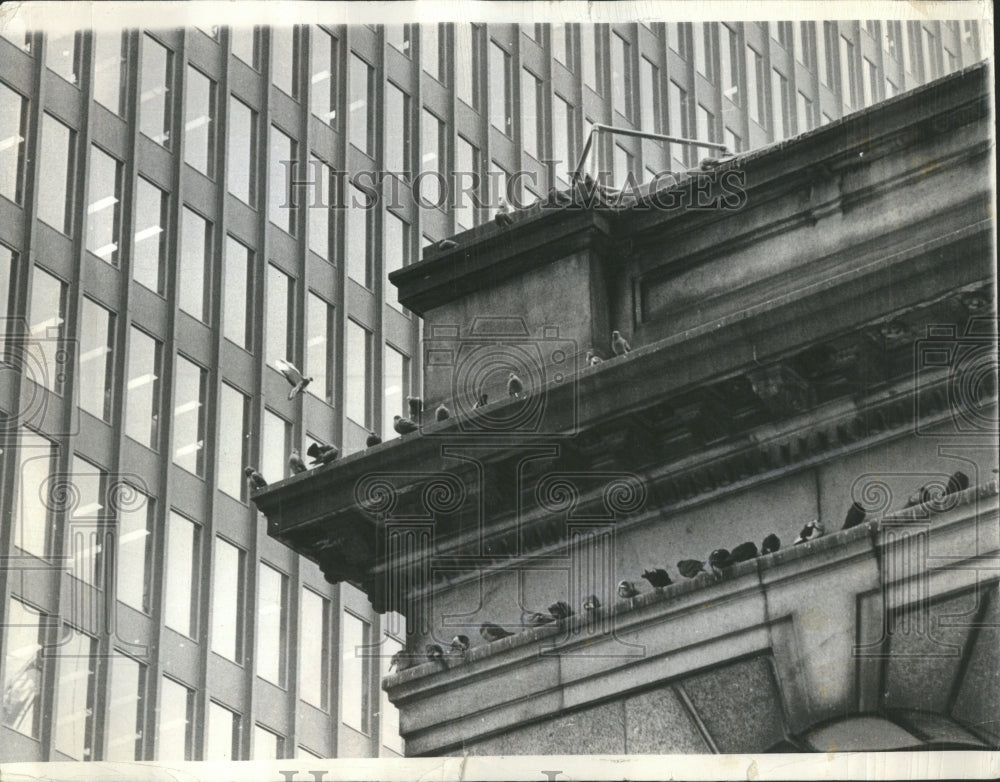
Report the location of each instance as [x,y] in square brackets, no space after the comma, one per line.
[561,610]
[372,440]
[514,386]
[433,652]
[416,407]
[591,604]
[811,531]
[403,425]
[481,401]
[658,578]
[321,453]
[493,632]
[295,462]
[401,660]
[592,359]
[535,619]
[959,481]
[460,644]
[689,568]
[771,544]
[293,376]
[503,218]
[627,590]
[442,413]
[743,553]
[619,344]
[254,478]
[855,516]
[447,244]
[719,559]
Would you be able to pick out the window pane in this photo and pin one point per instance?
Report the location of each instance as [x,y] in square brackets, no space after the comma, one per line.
[237,290]
[562,124]
[154,91]
[354,679]
[558,33]
[847,85]
[356,370]
[465,62]
[389,713]
[227,601]
[267,745]
[240,168]
[779,97]
[314,649]
[199,122]
[319,340]
[803,110]
[279,293]
[319,217]
[276,444]
[530,111]
[47,320]
[822,61]
[222,740]
[83,529]
[196,249]
[322,85]
[32,518]
[499,86]
[182,577]
[728,57]
[124,709]
[234,421]
[61,55]
[674,38]
[621,82]
[678,118]
[396,389]
[397,129]
[135,523]
[280,211]
[398,36]
[466,165]
[244,44]
[189,416]
[97,339]
[104,205]
[623,164]
[13,129]
[430,187]
[754,94]
[109,54]
[396,254]
[7,267]
[283,54]
[173,720]
[272,588]
[649,85]
[430,50]
[56,164]
[150,240]
[22,666]
[588,56]
[358,231]
[359,120]
[75,694]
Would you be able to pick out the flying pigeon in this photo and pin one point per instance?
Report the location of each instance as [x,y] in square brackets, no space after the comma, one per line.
[771,544]
[403,425]
[502,218]
[719,559]
[255,479]
[514,386]
[481,401]
[460,644]
[561,610]
[373,439]
[743,553]
[591,604]
[855,516]
[535,619]
[627,590]
[689,568]
[619,345]
[295,462]
[811,531]
[442,413]
[658,578]
[322,453]
[293,376]
[491,632]
[416,405]
[959,481]
[447,244]
[592,359]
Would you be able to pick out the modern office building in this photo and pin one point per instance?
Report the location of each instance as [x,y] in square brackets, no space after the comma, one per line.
[152,274]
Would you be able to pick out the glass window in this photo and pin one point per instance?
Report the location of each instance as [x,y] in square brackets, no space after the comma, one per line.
[322,84]
[358,360]
[154,91]
[32,517]
[649,96]
[189,416]
[729,61]
[465,63]
[800,39]
[733,142]
[951,61]
[755,92]
[890,88]
[8,259]
[244,44]
[97,341]
[430,188]
[234,421]
[174,720]
[397,129]
[22,683]
[227,600]
[500,89]
[82,541]
[276,444]
[588,56]
[679,123]
[847,85]
[237,291]
[74,711]
[272,624]
[701,38]
[62,54]
[396,254]
[183,546]
[284,51]
[104,205]
[499,182]
[558,34]
[869,81]
[314,649]
[705,124]
[822,59]
[467,166]
[13,129]
[279,312]
[125,709]
[675,38]
[804,112]
[531,111]
[240,170]
[430,50]
[135,523]
[199,122]
[779,104]
[281,205]
[358,232]
[398,37]
[319,343]
[928,42]
[196,251]
[623,164]
[222,737]
[360,128]
[267,745]
[47,320]
[57,166]
[150,240]
[562,136]
[396,387]
[621,75]
[109,54]
[388,712]
[354,682]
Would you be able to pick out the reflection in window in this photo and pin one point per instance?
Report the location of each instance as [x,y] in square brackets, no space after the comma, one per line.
[354,679]
[227,600]
[154,91]
[282,161]
[74,712]
[279,309]
[500,89]
[189,416]
[267,745]
[174,721]
[323,85]
[314,649]
[396,387]
[32,517]
[431,158]
[236,292]
[465,63]
[84,533]
[56,172]
[104,205]
[360,129]
[13,129]
[276,444]
[222,735]
[62,54]
[199,122]
[47,321]
[396,254]
[284,52]
[22,667]
[317,200]
[234,421]
[181,565]
[272,624]
[150,240]
[319,339]
[196,250]
[430,50]
[109,54]
[531,111]
[357,361]
[244,44]
[135,524]
[240,178]
[124,709]
[397,129]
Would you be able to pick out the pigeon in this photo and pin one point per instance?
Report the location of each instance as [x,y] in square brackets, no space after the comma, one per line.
[442,413]
[771,544]
[743,553]
[535,619]
[460,644]
[293,376]
[255,479]
[416,405]
[481,401]
[658,578]
[433,652]
[322,453]
[957,482]
[719,559]
[400,661]
[373,439]
[447,244]
[689,568]
[591,604]
[855,516]
[592,359]
[558,198]
[561,610]
[627,590]
[514,386]
[502,218]
[711,163]
[811,531]
[619,345]
[491,632]
[295,462]
[403,425]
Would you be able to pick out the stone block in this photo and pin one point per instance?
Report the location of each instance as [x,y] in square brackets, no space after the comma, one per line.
[656,723]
